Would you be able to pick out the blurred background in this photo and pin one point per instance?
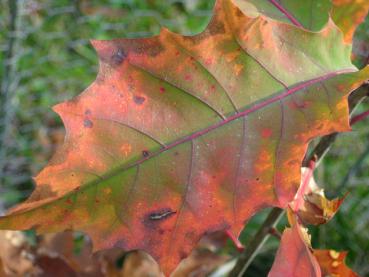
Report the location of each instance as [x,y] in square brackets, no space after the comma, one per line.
[46,58]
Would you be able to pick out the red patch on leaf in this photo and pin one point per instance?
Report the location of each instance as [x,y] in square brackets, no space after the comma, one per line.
[266,133]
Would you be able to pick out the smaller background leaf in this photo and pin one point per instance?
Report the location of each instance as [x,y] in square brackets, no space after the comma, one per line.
[333,263]
[309,14]
[361,44]
[348,14]
[294,257]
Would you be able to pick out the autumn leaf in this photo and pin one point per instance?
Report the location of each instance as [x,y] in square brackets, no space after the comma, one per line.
[180,136]
[309,14]
[312,15]
[333,263]
[348,14]
[311,204]
[361,44]
[294,257]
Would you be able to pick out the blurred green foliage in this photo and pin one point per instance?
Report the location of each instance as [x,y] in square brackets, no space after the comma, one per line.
[54,61]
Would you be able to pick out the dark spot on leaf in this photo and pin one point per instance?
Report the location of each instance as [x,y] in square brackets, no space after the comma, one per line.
[87,112]
[120,244]
[176,153]
[118,57]
[257,179]
[161,232]
[87,123]
[190,236]
[145,153]
[139,99]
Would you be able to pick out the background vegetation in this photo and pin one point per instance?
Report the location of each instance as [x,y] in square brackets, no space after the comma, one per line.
[51,61]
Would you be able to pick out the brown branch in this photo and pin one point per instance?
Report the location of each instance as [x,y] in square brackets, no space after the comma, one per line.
[261,236]
[256,243]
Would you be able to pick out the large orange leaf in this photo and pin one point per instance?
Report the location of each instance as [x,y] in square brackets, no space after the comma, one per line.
[180,136]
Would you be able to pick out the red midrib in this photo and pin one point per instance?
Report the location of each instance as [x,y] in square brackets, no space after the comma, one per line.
[258,106]
[286,13]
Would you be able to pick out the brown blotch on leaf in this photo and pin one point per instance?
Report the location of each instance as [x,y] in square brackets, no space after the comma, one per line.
[118,57]
[151,48]
[87,123]
[139,100]
[87,112]
[217,28]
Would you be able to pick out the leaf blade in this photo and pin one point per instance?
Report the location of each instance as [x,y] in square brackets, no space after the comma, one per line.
[140,166]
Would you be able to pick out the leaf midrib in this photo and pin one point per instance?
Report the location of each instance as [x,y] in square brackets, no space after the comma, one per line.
[288,15]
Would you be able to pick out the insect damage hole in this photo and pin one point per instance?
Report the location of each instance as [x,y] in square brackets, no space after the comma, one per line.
[161,215]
